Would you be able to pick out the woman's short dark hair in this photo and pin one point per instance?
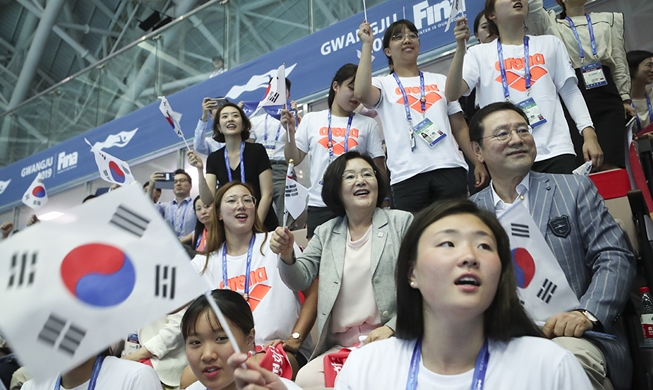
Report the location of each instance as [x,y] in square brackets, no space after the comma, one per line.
[247,125]
[199,227]
[343,74]
[396,28]
[234,307]
[488,10]
[504,319]
[216,235]
[636,57]
[333,182]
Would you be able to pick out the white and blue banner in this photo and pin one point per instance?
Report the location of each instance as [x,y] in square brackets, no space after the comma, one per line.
[310,64]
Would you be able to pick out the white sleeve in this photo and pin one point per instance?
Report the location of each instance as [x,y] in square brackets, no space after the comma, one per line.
[471,71]
[576,106]
[453,108]
[569,375]
[199,142]
[301,136]
[168,338]
[538,21]
[374,145]
[144,379]
[378,83]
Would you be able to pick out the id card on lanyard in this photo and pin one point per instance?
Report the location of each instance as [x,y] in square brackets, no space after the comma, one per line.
[270,148]
[480,368]
[225,275]
[529,106]
[242,163]
[426,130]
[183,217]
[650,112]
[593,72]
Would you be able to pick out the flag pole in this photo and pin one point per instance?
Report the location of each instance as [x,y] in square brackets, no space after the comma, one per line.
[365,10]
[291,166]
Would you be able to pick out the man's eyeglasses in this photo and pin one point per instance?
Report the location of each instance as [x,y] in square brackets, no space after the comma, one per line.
[232,201]
[504,135]
[184,180]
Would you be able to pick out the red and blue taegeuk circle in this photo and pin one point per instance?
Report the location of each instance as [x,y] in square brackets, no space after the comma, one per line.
[116,172]
[98,274]
[38,191]
[524,266]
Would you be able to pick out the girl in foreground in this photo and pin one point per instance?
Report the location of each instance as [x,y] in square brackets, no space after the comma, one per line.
[207,345]
[459,320]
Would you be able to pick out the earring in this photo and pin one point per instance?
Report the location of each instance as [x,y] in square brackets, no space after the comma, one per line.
[412,283]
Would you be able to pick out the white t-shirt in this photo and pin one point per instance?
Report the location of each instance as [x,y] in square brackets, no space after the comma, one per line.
[274,306]
[312,137]
[402,163]
[114,374]
[550,69]
[290,385]
[524,363]
[274,148]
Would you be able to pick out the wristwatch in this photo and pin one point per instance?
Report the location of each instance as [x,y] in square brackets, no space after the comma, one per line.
[596,324]
[296,336]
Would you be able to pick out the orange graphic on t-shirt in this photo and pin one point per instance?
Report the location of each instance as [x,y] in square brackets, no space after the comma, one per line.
[338,146]
[413,94]
[515,81]
[257,292]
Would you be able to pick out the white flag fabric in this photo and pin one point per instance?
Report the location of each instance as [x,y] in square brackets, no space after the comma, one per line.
[174,118]
[36,195]
[74,285]
[112,169]
[296,195]
[457,6]
[542,286]
[4,185]
[276,93]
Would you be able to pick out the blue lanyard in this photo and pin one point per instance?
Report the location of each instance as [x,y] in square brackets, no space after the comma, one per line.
[650,111]
[422,96]
[183,218]
[94,375]
[225,275]
[330,135]
[480,367]
[592,39]
[502,66]
[242,163]
[265,135]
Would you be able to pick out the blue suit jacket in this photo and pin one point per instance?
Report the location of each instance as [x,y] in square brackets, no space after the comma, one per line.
[593,255]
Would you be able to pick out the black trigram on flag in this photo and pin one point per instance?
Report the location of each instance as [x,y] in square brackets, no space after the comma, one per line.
[21,272]
[164,285]
[519,230]
[547,290]
[62,334]
[291,190]
[130,221]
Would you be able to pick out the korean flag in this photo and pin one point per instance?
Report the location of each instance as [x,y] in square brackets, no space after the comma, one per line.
[36,196]
[76,284]
[112,169]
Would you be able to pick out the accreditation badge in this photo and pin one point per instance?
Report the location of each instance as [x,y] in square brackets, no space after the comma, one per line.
[532,111]
[593,75]
[428,132]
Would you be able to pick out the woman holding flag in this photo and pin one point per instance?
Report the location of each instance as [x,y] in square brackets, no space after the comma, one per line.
[238,258]
[354,256]
[238,160]
[329,133]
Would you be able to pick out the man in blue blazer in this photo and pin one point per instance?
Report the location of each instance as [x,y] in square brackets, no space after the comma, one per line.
[586,241]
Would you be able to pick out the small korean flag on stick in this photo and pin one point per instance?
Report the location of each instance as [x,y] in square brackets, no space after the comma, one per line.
[457,6]
[72,286]
[174,118]
[36,196]
[275,95]
[112,169]
[296,194]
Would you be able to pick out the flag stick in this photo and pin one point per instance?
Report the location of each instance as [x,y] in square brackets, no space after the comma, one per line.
[223,322]
[365,10]
[291,165]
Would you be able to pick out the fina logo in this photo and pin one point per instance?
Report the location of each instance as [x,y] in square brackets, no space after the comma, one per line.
[66,162]
[4,185]
[436,13]
[256,82]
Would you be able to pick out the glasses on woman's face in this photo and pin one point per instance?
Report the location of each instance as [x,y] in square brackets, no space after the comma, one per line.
[232,201]
[351,176]
[401,36]
[523,132]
